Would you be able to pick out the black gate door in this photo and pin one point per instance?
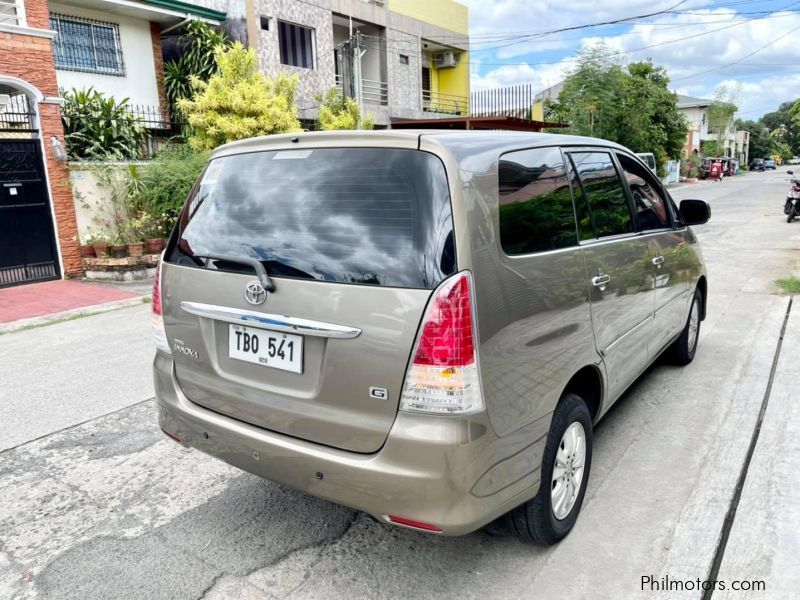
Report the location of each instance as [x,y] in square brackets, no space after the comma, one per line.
[27,242]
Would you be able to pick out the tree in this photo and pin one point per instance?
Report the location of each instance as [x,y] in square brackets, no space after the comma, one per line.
[761,141]
[338,112]
[720,118]
[239,102]
[630,105]
[784,125]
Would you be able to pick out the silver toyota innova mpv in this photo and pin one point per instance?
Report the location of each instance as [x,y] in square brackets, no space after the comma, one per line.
[424,326]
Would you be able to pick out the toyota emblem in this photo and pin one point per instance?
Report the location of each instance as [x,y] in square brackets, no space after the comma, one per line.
[255,293]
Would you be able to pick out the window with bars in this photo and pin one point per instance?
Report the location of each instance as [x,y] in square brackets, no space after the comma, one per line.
[87,45]
[10,13]
[297,45]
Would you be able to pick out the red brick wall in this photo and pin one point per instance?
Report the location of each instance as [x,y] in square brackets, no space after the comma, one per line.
[36,14]
[158,62]
[31,59]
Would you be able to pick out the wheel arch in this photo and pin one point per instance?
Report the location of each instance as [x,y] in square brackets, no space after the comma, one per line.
[587,383]
[702,285]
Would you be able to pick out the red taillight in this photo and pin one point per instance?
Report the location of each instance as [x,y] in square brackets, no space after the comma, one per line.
[443,377]
[446,339]
[415,524]
[157,291]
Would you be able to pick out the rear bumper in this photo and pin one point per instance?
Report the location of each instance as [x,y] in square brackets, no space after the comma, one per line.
[454,473]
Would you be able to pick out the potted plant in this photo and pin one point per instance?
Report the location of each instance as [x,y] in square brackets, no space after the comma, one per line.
[100,245]
[86,246]
[150,230]
[135,249]
[118,247]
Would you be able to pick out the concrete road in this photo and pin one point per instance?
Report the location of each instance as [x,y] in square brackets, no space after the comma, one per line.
[111,509]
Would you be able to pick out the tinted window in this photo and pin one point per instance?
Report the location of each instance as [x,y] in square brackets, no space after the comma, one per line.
[368,216]
[605,197]
[536,212]
[650,206]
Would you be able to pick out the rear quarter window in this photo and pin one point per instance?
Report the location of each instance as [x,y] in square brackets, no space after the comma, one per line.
[369,216]
[535,202]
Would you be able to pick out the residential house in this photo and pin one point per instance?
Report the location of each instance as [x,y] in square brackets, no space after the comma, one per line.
[415,53]
[701,130]
[111,45]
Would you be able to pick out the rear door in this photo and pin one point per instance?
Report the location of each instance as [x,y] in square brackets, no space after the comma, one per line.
[618,266]
[354,240]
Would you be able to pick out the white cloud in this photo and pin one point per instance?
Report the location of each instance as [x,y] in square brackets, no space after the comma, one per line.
[713,40]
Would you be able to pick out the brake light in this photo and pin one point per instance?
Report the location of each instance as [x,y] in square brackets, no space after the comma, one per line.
[443,375]
[157,318]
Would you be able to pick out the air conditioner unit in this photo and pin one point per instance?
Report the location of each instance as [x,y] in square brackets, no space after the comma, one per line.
[445,60]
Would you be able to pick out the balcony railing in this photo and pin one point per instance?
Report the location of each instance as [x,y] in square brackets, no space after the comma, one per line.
[9,13]
[448,104]
[373,92]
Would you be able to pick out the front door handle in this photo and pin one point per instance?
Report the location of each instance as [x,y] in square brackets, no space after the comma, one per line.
[600,281]
[658,261]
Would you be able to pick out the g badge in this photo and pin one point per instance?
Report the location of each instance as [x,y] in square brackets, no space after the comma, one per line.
[378,393]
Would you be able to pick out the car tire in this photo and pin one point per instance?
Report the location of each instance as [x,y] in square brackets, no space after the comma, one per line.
[684,348]
[569,440]
[792,214]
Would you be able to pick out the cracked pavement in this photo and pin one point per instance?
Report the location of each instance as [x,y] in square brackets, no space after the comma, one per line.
[95,502]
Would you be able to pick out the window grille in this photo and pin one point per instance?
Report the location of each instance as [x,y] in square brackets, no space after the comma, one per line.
[87,45]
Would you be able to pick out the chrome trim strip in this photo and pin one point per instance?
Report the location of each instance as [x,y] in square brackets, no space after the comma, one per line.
[681,296]
[251,318]
[619,338]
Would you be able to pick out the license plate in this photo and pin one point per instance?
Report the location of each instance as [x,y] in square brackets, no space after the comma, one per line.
[274,349]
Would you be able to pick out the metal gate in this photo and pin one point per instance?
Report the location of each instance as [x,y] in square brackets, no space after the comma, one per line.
[27,241]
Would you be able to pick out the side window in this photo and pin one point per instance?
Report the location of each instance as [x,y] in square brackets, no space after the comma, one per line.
[606,204]
[536,212]
[650,205]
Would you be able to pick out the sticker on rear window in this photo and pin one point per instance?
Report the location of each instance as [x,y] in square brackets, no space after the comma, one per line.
[288,154]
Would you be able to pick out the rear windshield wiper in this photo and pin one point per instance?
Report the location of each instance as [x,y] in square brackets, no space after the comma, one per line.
[257,265]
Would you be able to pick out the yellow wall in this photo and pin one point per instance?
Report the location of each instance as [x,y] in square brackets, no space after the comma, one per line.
[453,80]
[537,111]
[442,13]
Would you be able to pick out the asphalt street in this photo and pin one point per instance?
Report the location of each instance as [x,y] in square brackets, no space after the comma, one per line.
[96,503]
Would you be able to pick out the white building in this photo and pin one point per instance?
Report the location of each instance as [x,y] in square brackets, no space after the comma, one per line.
[114,46]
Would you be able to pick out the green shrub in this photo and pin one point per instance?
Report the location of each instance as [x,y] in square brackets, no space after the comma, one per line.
[337,112]
[100,127]
[239,101]
[167,180]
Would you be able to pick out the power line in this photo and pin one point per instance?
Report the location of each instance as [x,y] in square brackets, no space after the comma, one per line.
[725,66]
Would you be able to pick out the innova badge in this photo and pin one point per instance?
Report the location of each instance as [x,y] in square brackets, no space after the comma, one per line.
[255,293]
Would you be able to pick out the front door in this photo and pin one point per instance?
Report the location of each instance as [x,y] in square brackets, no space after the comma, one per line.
[27,241]
[619,268]
[670,257]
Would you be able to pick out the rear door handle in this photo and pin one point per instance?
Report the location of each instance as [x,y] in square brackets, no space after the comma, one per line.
[658,261]
[601,280]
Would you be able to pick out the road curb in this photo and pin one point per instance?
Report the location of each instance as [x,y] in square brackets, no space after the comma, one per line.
[84,311]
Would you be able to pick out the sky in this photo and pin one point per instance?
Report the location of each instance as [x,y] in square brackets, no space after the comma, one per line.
[749,47]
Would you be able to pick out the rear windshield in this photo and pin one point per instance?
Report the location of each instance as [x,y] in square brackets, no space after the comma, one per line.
[356,215]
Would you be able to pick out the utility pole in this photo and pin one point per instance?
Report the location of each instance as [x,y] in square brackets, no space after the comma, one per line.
[357,53]
[351,52]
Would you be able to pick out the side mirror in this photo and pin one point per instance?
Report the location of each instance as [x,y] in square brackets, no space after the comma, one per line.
[694,212]
[790,172]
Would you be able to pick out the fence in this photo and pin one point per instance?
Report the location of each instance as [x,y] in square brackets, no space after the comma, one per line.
[160,125]
[512,101]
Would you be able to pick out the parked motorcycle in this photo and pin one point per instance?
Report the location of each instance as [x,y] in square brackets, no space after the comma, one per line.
[791,207]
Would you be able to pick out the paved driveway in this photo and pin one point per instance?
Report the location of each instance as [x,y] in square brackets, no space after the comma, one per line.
[110,508]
